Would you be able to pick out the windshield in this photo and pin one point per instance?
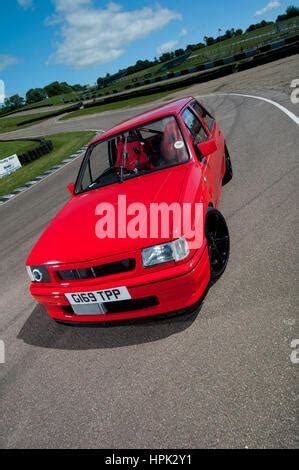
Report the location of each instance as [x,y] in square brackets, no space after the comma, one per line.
[150,147]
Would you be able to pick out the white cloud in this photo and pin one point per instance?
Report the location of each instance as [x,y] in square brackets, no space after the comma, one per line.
[25,3]
[167,46]
[268,8]
[7,60]
[94,36]
[183,33]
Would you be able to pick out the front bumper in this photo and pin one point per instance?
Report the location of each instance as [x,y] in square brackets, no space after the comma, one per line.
[173,289]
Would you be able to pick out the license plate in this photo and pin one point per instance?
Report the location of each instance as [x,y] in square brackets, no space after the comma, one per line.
[99,297]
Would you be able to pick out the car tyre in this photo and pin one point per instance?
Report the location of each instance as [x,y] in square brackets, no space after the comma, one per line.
[228,168]
[218,240]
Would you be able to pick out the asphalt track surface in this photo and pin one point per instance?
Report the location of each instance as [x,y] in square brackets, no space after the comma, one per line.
[219,378]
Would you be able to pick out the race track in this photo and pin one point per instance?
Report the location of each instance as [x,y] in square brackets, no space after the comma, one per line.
[220,378]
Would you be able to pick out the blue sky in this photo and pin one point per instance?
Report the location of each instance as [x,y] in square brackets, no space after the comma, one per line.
[79,40]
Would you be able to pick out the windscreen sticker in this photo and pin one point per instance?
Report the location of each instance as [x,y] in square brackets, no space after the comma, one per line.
[179,144]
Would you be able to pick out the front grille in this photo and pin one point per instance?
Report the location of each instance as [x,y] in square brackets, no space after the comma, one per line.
[97,271]
[124,305]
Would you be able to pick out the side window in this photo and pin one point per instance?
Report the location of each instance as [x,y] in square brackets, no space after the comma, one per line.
[99,160]
[206,117]
[97,163]
[195,128]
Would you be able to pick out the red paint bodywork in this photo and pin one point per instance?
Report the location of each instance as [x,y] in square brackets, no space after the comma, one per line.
[69,242]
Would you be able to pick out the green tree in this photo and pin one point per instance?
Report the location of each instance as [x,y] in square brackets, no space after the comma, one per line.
[14,102]
[35,95]
[200,45]
[56,88]
[166,56]
[101,82]
[262,24]
[77,87]
[209,40]
[291,12]
[179,52]
[228,34]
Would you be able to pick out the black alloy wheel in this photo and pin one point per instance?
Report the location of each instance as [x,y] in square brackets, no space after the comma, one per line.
[217,236]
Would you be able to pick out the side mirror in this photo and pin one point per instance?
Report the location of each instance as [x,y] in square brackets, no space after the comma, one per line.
[71,188]
[208,147]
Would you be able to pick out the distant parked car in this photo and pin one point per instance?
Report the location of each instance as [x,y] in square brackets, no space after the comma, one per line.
[175,154]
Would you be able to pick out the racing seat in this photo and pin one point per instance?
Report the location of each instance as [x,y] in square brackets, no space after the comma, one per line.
[171,154]
[136,155]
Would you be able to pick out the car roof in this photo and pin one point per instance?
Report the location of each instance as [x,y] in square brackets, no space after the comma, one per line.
[173,107]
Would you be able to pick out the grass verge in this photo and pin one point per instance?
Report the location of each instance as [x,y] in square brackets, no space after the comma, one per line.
[119,104]
[64,145]
[10,148]
[11,123]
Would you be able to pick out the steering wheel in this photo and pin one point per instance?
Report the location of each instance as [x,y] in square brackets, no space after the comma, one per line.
[117,169]
[114,169]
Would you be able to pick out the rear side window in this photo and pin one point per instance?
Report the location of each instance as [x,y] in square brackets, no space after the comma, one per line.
[195,128]
[206,117]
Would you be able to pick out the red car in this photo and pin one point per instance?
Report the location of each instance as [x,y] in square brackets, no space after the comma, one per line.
[99,261]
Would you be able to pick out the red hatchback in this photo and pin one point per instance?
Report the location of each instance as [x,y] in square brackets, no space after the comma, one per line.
[141,234]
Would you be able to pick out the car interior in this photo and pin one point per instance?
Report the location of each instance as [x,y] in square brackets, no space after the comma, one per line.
[136,151]
[148,148]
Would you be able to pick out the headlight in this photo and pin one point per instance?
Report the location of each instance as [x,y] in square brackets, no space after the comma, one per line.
[38,273]
[171,251]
